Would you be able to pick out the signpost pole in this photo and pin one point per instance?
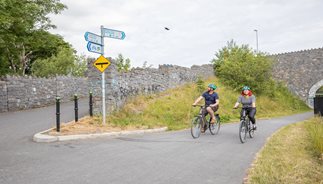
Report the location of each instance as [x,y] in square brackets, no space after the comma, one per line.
[103,79]
[96,44]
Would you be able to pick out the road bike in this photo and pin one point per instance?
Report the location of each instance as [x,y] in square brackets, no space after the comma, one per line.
[200,121]
[245,126]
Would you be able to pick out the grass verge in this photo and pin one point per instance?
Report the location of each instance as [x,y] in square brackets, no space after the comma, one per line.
[315,130]
[290,156]
[172,108]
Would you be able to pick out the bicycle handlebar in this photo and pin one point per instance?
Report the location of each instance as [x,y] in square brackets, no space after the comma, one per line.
[242,107]
[199,105]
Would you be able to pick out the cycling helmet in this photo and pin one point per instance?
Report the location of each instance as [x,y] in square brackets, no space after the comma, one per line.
[212,86]
[245,88]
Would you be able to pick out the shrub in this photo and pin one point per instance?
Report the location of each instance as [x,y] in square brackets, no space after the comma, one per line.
[239,65]
[200,84]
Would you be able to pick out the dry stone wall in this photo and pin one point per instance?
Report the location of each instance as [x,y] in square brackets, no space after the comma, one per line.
[122,85]
[3,97]
[18,93]
[300,71]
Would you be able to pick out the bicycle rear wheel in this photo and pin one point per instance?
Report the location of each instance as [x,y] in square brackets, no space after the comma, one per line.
[243,131]
[196,127]
[215,127]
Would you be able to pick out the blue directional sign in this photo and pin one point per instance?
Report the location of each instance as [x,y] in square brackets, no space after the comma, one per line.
[111,33]
[93,47]
[91,37]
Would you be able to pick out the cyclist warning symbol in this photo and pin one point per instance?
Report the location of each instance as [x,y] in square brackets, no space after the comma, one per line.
[101,63]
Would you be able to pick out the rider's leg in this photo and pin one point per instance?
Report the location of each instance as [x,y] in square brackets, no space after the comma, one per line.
[211,112]
[251,114]
[241,114]
[204,113]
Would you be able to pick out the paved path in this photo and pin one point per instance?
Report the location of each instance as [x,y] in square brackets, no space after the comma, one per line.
[171,157]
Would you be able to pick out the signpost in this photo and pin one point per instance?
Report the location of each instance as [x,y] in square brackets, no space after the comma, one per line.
[111,33]
[92,47]
[101,63]
[94,38]
[96,44]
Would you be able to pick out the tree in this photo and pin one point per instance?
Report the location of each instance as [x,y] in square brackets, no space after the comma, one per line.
[200,84]
[239,65]
[80,66]
[145,65]
[60,64]
[123,64]
[21,22]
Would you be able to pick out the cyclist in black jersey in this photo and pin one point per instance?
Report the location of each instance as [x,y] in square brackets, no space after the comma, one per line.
[211,101]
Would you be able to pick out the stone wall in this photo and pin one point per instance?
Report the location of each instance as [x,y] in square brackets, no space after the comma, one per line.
[18,93]
[120,86]
[300,71]
[3,96]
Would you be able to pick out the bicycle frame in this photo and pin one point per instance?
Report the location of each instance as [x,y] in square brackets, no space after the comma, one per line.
[245,123]
[246,118]
[203,116]
[200,121]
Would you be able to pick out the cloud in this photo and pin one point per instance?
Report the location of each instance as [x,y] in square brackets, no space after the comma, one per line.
[197,28]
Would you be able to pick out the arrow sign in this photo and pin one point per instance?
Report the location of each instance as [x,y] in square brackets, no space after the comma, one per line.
[91,37]
[111,33]
[102,63]
[92,47]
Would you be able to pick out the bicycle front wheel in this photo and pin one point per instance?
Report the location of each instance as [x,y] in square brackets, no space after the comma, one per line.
[196,127]
[243,131]
[215,127]
[251,130]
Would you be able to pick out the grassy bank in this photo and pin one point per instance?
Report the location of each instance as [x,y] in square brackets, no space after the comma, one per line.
[315,130]
[173,108]
[292,155]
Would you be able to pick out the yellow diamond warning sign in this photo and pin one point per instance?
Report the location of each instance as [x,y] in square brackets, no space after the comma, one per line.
[101,63]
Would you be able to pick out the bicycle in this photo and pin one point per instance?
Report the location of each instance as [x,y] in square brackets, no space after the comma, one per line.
[245,126]
[200,121]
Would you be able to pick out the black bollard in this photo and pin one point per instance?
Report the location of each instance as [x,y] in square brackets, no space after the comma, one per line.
[76,108]
[58,126]
[91,104]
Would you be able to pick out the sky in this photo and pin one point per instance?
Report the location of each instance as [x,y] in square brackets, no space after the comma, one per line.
[197,28]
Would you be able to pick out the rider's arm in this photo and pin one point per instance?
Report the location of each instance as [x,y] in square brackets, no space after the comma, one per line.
[197,100]
[253,102]
[217,101]
[236,105]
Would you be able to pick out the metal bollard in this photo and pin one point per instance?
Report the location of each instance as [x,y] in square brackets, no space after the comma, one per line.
[58,126]
[76,108]
[91,104]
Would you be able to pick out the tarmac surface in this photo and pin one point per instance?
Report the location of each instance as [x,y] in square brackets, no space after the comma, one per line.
[167,157]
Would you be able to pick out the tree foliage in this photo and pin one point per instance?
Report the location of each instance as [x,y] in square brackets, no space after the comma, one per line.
[239,65]
[60,64]
[123,64]
[80,66]
[23,33]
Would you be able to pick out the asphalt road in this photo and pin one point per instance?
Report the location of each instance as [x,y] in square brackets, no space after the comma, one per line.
[169,157]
